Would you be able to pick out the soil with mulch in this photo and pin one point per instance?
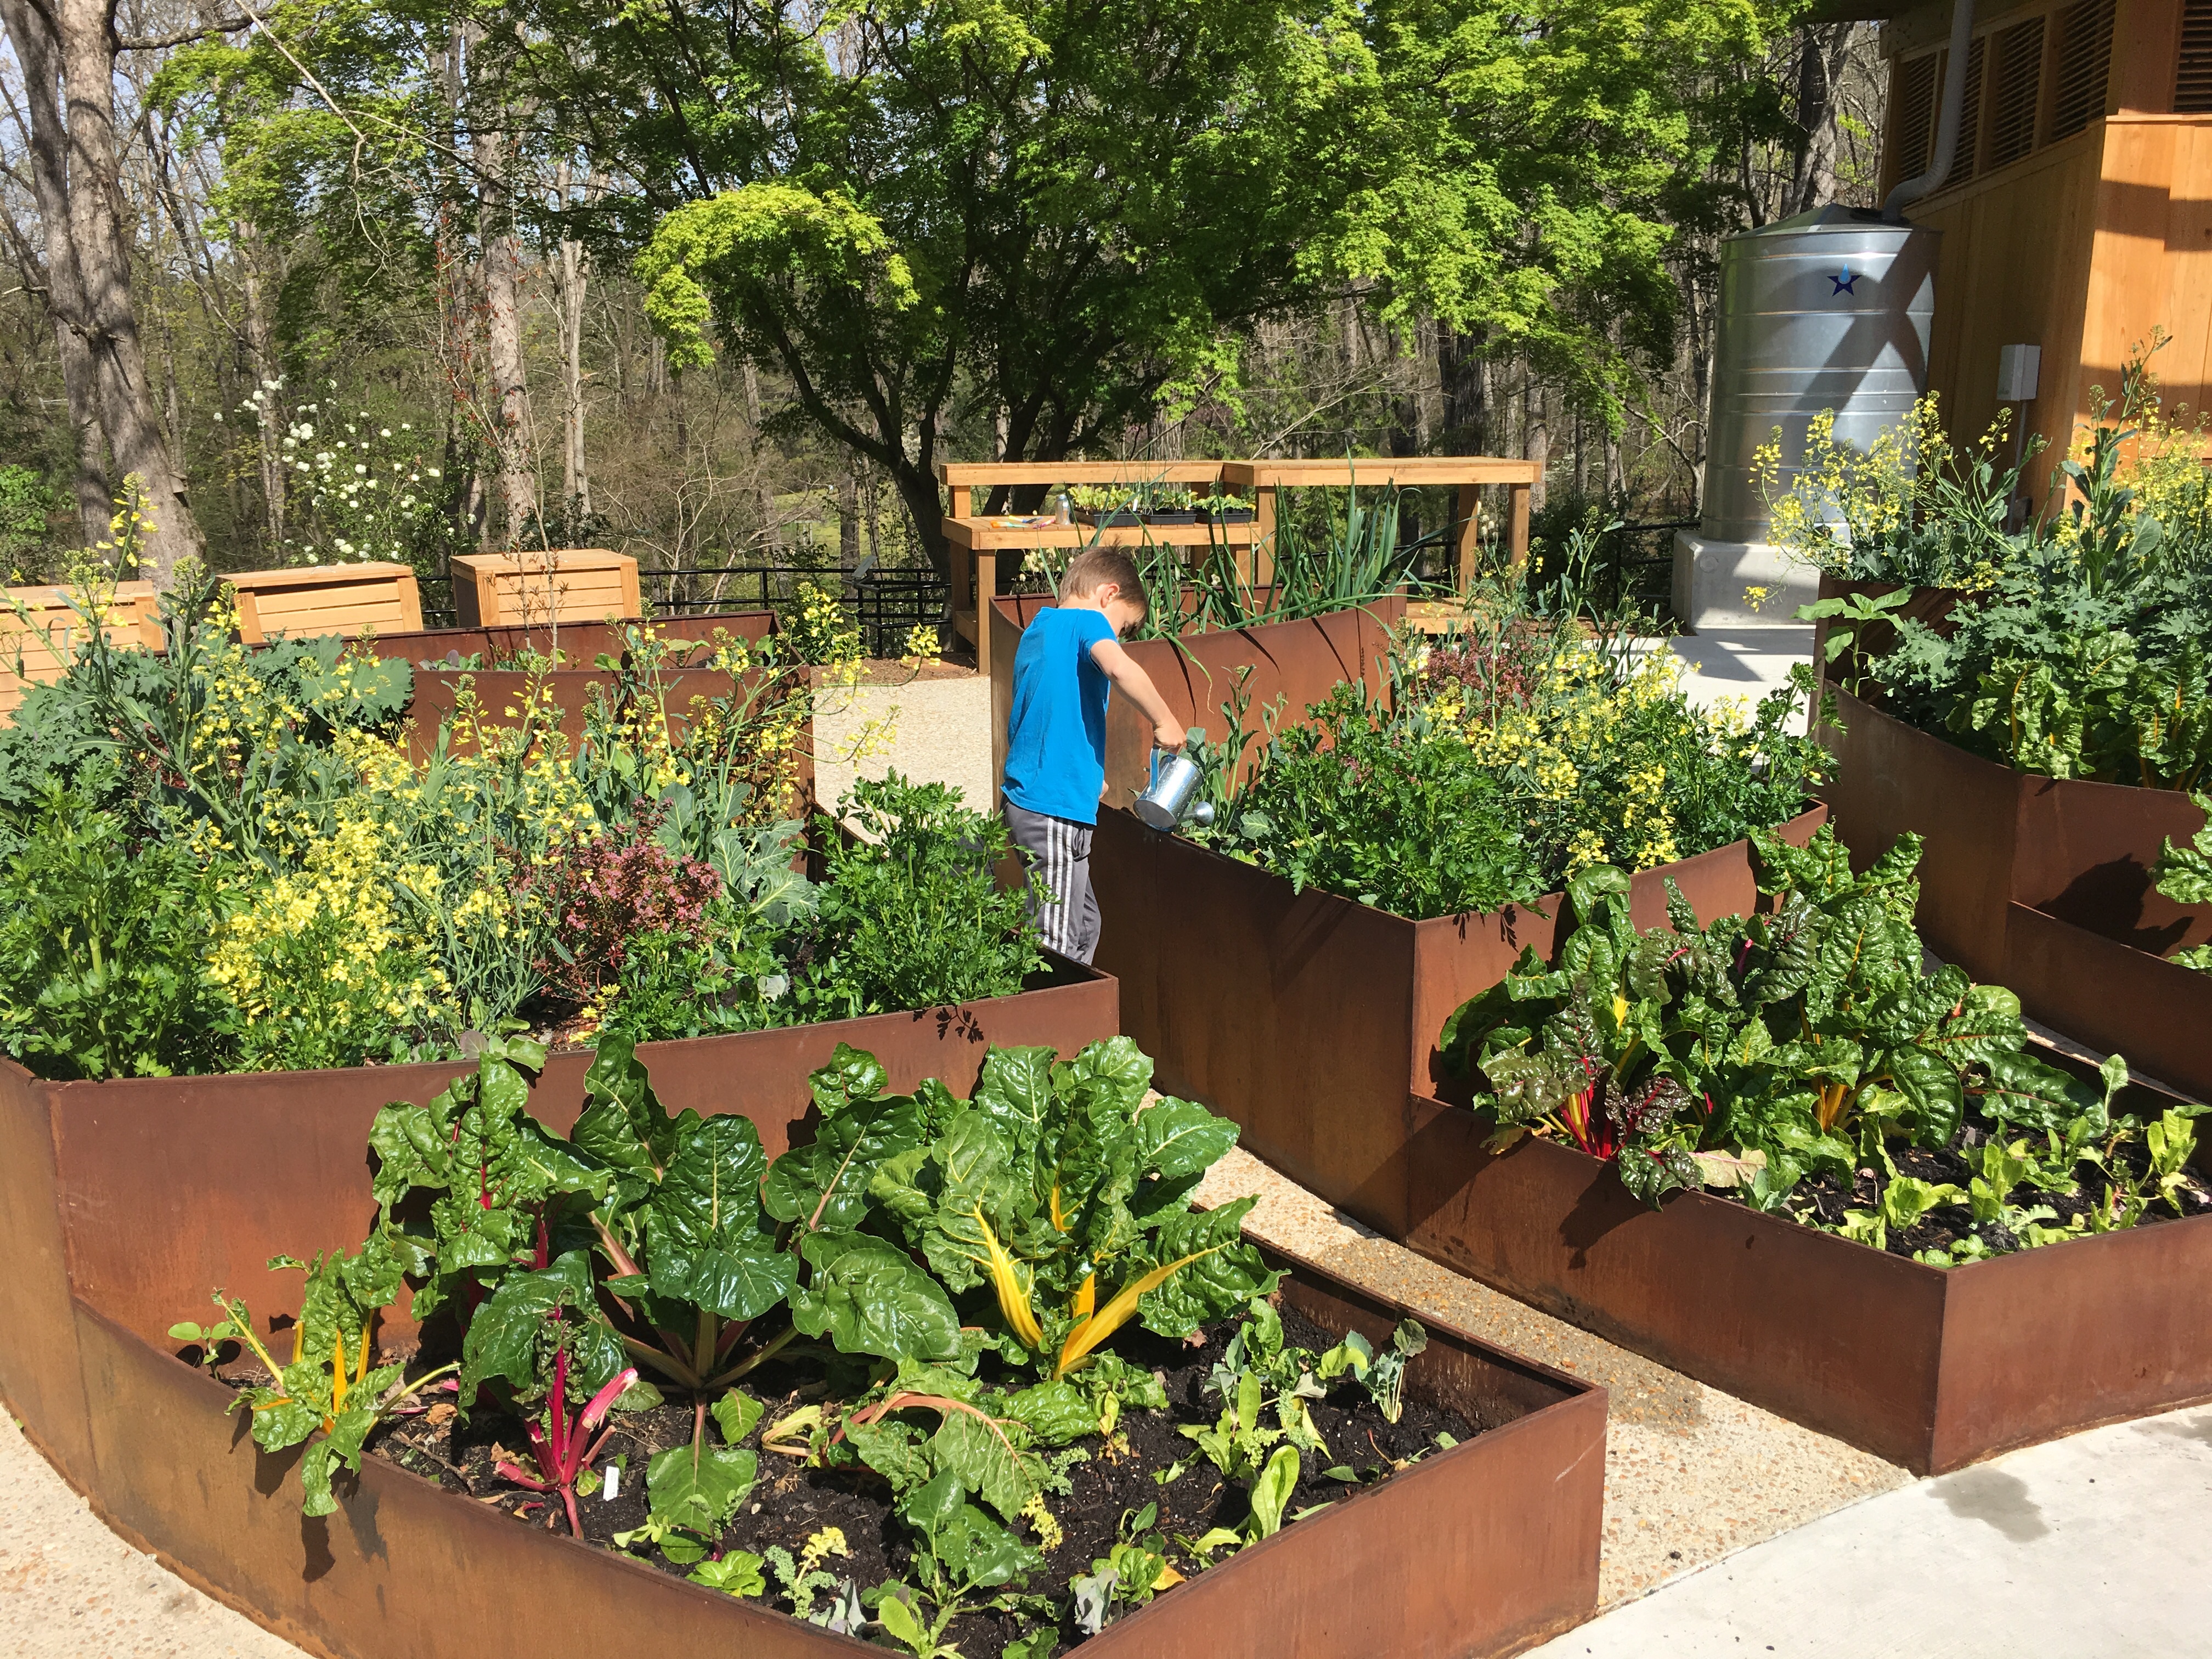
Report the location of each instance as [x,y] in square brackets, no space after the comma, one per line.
[1824,1198]
[791,1502]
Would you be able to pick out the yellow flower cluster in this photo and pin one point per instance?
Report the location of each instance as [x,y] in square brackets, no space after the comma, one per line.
[1565,745]
[823,636]
[321,948]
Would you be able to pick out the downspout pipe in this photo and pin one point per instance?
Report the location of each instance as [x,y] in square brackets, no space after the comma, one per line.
[1909,191]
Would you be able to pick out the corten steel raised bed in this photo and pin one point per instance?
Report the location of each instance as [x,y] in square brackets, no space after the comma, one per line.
[1298,662]
[438,694]
[1992,837]
[1930,1367]
[2115,997]
[184,1179]
[1486,1549]
[579,642]
[1308,1017]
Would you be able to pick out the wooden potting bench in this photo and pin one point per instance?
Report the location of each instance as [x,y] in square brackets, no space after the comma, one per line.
[345,599]
[976,541]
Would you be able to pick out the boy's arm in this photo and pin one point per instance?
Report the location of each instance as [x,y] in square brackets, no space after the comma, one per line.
[1121,668]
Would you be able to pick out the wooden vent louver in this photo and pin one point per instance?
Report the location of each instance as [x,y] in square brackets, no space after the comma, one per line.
[2013,99]
[2084,65]
[1970,115]
[1915,131]
[2192,81]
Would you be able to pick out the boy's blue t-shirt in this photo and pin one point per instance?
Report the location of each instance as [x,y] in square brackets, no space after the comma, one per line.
[1056,732]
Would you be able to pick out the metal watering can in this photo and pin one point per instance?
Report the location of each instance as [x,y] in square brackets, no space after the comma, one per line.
[1167,801]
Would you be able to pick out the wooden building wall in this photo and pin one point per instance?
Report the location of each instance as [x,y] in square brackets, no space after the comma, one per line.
[2078,214]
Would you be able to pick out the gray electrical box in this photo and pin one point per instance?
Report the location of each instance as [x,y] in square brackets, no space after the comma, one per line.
[2017,367]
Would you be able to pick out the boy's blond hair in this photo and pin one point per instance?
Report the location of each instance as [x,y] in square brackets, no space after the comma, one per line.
[1094,566]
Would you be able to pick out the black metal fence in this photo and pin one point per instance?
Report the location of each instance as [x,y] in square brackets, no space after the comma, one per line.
[1636,563]
[886,605]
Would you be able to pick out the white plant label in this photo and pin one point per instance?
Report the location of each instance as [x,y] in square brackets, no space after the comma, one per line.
[613,1481]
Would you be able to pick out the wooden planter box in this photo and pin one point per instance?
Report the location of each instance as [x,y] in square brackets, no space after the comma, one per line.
[39,641]
[531,589]
[1993,837]
[1308,1018]
[349,600]
[1486,1549]
[1929,1367]
[1298,662]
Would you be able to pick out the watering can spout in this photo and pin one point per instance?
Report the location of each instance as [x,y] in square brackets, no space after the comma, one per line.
[1170,799]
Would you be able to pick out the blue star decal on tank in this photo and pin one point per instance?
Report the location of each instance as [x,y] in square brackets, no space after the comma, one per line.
[1844,279]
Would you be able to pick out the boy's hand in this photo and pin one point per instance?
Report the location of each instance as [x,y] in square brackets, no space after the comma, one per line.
[1169,735]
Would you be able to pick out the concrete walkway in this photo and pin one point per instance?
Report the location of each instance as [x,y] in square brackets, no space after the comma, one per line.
[69,1589]
[2093,1546]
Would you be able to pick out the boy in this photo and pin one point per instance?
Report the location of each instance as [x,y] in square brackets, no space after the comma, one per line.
[1056,734]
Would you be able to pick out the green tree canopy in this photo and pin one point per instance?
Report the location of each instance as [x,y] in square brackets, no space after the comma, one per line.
[933,216]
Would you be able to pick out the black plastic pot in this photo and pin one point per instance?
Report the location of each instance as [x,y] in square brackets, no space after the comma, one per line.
[1230,515]
[1186,516]
[1115,519]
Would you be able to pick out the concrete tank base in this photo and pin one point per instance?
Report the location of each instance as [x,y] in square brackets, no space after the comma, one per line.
[1711,579]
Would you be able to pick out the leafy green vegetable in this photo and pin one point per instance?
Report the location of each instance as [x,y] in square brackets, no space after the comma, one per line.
[329,1385]
[1746,1054]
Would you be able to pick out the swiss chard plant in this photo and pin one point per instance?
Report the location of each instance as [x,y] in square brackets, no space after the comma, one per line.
[2184,874]
[1051,1209]
[329,1387]
[1748,1054]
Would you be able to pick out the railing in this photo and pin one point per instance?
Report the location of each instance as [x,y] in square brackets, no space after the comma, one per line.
[886,605]
[1636,564]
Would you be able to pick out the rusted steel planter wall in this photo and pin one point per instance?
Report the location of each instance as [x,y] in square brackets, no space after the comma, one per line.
[1483,1550]
[2023,879]
[1299,662]
[579,642]
[2114,997]
[1929,1367]
[1308,1017]
[438,694]
[184,1180]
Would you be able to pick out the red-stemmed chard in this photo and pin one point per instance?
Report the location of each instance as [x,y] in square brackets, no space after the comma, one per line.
[564,1448]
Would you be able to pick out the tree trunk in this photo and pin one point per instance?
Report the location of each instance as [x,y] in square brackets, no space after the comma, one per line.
[35,52]
[261,348]
[501,261]
[92,226]
[575,478]
[848,516]
[1537,446]
[1820,56]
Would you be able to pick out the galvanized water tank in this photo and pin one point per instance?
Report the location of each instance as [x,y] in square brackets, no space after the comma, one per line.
[1828,310]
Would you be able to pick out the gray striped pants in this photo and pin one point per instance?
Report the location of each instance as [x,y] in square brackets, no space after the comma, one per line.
[1059,851]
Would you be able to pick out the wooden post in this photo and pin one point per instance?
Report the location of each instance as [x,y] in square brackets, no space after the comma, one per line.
[1468,543]
[1516,534]
[987,589]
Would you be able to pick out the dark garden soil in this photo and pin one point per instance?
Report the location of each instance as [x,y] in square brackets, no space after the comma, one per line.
[1823,1198]
[791,1502]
